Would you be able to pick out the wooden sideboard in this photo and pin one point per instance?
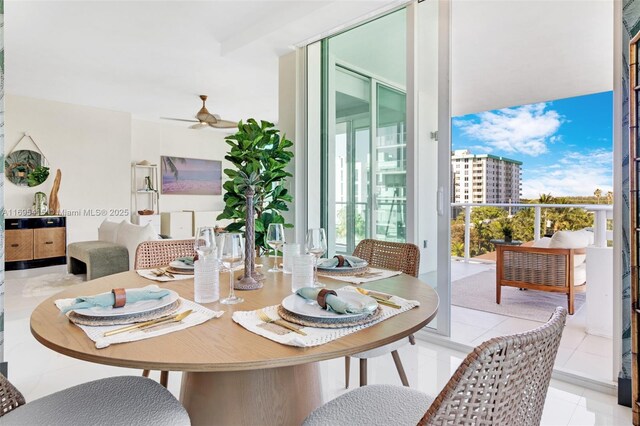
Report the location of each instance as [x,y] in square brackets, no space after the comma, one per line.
[33,242]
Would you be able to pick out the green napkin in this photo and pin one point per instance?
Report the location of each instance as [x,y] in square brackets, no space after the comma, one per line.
[107,299]
[334,303]
[187,260]
[349,261]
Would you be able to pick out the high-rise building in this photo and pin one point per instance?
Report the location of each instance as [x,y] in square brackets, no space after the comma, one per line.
[484,178]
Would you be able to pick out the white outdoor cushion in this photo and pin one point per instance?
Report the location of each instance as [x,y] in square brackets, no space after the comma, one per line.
[572,240]
[542,242]
[591,235]
[580,274]
[130,236]
[108,231]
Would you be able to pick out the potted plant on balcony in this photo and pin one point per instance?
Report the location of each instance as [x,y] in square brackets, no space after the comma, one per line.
[507,231]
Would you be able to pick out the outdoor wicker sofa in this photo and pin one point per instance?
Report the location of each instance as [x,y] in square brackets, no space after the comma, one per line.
[541,268]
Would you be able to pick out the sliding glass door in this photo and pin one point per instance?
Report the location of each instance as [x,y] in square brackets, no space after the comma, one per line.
[350,182]
[365,173]
[390,165]
[378,126]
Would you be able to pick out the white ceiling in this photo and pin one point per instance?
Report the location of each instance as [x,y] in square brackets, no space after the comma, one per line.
[515,52]
[152,58]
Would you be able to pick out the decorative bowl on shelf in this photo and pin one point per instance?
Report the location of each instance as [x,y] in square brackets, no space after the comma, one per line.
[145,212]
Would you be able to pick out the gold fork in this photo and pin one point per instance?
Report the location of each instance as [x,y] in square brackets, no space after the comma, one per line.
[267,319]
[160,272]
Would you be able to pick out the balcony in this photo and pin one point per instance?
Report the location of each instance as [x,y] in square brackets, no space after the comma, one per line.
[587,346]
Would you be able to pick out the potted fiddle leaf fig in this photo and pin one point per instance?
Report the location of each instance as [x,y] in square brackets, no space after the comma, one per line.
[260,156]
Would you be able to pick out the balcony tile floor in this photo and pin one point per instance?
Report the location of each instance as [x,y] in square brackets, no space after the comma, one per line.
[580,353]
[38,371]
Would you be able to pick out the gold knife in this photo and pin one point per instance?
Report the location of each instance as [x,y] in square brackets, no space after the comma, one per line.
[146,324]
[284,324]
[378,299]
[386,302]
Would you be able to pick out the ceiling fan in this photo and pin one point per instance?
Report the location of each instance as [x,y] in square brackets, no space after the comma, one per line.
[205,119]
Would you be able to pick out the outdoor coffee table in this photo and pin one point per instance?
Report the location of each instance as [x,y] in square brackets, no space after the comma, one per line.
[506,243]
[233,376]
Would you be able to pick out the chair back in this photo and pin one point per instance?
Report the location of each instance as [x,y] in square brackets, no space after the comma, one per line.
[155,253]
[10,397]
[403,257]
[504,381]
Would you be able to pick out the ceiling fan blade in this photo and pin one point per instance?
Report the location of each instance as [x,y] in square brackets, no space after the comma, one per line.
[224,124]
[198,126]
[179,119]
[207,118]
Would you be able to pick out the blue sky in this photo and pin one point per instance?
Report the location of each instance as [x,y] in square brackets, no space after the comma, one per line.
[565,145]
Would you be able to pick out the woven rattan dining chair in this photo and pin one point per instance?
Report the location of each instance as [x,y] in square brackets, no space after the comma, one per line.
[504,381]
[403,257]
[114,400]
[10,397]
[158,253]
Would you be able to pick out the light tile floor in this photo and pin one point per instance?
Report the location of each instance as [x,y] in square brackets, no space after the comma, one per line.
[38,371]
[580,353]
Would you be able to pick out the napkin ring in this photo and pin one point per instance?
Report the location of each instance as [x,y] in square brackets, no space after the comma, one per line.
[322,297]
[119,297]
[340,260]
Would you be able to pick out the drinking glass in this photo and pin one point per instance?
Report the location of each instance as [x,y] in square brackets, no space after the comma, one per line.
[232,256]
[317,246]
[205,241]
[289,250]
[275,238]
[302,271]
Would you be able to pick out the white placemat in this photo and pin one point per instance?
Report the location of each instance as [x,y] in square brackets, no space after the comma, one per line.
[199,315]
[146,273]
[381,274]
[315,336]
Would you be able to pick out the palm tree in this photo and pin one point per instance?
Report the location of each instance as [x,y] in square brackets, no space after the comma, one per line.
[545,199]
[170,164]
[597,193]
[609,197]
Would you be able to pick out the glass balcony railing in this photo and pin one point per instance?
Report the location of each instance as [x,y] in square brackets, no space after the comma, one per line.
[471,233]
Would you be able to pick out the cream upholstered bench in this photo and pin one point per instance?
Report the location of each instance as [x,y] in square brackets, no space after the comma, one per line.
[113,252]
[97,258]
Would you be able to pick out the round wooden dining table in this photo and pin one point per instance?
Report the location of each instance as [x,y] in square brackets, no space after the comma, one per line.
[231,375]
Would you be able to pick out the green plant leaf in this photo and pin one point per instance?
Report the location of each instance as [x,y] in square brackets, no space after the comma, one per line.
[235,227]
[258,153]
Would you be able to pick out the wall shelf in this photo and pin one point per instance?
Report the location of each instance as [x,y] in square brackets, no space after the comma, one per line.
[144,188]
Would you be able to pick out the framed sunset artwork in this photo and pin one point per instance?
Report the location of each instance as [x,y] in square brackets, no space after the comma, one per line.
[190,176]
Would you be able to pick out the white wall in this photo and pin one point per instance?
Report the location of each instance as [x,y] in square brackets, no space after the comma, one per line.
[94,149]
[91,146]
[150,140]
[291,126]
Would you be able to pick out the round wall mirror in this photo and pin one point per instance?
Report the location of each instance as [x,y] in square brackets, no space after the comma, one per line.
[25,167]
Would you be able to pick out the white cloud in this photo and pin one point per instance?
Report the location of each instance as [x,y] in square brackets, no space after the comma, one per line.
[526,129]
[575,173]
